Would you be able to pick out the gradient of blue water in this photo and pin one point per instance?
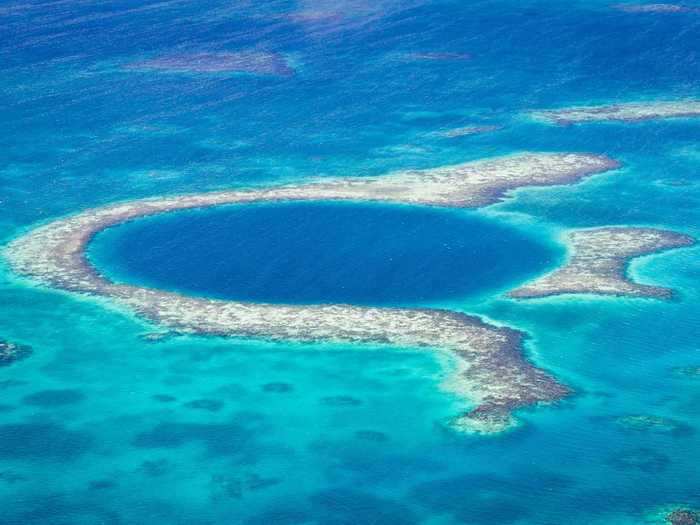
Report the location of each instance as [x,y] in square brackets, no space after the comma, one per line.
[357,434]
[322,253]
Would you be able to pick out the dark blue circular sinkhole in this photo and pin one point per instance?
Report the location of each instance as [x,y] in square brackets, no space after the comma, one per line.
[321,252]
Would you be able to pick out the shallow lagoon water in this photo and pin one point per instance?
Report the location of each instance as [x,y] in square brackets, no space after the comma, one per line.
[130,444]
[308,253]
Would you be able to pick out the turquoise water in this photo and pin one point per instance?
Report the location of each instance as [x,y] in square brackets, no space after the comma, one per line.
[308,253]
[101,426]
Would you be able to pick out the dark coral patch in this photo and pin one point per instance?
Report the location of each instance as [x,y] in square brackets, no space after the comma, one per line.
[164,398]
[156,467]
[13,352]
[62,509]
[277,388]
[54,398]
[42,441]
[371,435]
[102,484]
[225,487]
[642,458]
[683,517]
[219,439]
[11,383]
[257,482]
[486,499]
[341,401]
[210,405]
[11,477]
[234,487]
[344,506]
[296,515]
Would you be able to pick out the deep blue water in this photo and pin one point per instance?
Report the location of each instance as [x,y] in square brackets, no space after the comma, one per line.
[100,426]
[322,253]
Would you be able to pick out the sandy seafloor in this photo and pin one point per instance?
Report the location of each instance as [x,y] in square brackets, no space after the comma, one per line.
[357,435]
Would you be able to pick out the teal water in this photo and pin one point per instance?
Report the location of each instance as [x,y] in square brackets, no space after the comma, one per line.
[308,253]
[101,426]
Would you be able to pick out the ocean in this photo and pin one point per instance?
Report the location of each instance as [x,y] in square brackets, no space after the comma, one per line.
[102,425]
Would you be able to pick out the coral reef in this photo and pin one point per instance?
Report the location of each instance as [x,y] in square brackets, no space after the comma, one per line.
[683,517]
[598,261]
[490,370]
[13,352]
[255,62]
[628,112]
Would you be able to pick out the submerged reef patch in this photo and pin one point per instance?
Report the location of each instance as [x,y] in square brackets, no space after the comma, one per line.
[277,387]
[254,62]
[655,8]
[648,423]
[483,498]
[164,398]
[234,487]
[437,55]
[690,372]
[371,435]
[210,405]
[157,337]
[642,458]
[627,112]
[341,401]
[218,439]
[658,424]
[13,352]
[683,517]
[54,398]
[465,131]
[598,261]
[102,484]
[156,467]
[42,441]
[10,477]
[347,505]
[491,370]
